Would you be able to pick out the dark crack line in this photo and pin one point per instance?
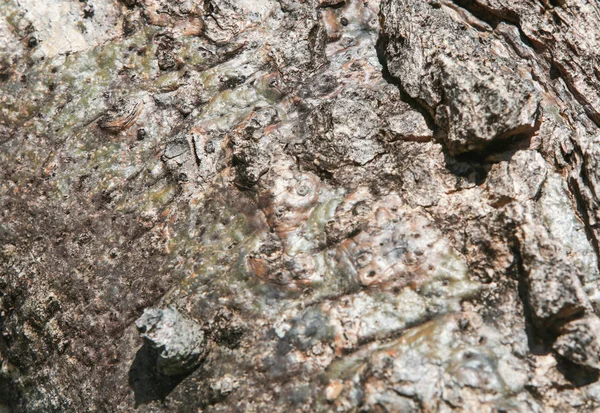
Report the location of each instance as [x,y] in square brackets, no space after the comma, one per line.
[581,204]
[380,47]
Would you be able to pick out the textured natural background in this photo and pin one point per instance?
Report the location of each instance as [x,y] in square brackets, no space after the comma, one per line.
[299,205]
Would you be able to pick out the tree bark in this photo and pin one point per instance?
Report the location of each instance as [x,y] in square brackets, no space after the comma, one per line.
[278,205]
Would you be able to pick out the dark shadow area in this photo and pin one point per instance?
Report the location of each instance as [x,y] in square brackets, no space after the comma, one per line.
[473,171]
[501,148]
[578,375]
[9,394]
[147,382]
[539,340]
[488,15]
[474,166]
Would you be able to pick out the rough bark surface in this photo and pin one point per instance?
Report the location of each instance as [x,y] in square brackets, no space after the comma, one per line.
[281,205]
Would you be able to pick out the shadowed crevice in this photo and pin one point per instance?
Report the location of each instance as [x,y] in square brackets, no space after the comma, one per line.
[380,47]
[577,375]
[147,382]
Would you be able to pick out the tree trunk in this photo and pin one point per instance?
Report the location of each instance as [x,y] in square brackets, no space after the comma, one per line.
[281,205]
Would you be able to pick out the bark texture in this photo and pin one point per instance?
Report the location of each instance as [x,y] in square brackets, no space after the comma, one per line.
[281,205]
